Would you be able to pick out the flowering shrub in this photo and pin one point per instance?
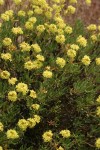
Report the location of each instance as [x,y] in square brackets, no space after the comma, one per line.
[49,78]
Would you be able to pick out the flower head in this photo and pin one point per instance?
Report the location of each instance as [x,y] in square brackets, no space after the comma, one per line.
[47,136]
[60,62]
[5,74]
[65,133]
[97,60]
[12,96]
[60,39]
[97,143]
[7,42]
[12,134]
[22,87]
[12,81]
[23,124]
[47,74]
[86,60]
[82,41]
[1,126]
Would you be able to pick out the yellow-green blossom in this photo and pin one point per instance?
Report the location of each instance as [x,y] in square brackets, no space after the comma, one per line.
[36,48]
[12,134]
[12,96]
[7,42]
[97,60]
[33,94]
[6,56]
[71,53]
[82,41]
[35,106]
[1,2]
[47,74]
[60,39]
[86,60]
[12,81]
[1,127]
[22,124]
[60,62]
[22,87]
[97,143]
[98,111]
[5,74]
[47,136]
[65,133]
[31,122]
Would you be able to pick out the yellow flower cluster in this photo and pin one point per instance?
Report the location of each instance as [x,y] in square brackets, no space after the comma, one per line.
[97,143]
[31,122]
[29,24]
[29,65]
[60,62]
[5,74]
[1,127]
[12,134]
[60,39]
[22,87]
[30,13]
[74,47]
[17,2]
[86,60]
[25,47]
[1,2]
[65,133]
[47,136]
[12,81]
[21,13]
[47,74]
[82,41]
[98,111]
[98,99]
[71,53]
[1,148]
[36,48]
[40,57]
[70,10]
[23,124]
[52,28]
[68,30]
[6,56]
[17,30]
[7,15]
[7,42]
[37,118]
[88,2]
[97,61]
[12,96]
[33,94]
[40,28]
[35,106]
[0,24]
[92,27]
[60,148]
[93,38]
